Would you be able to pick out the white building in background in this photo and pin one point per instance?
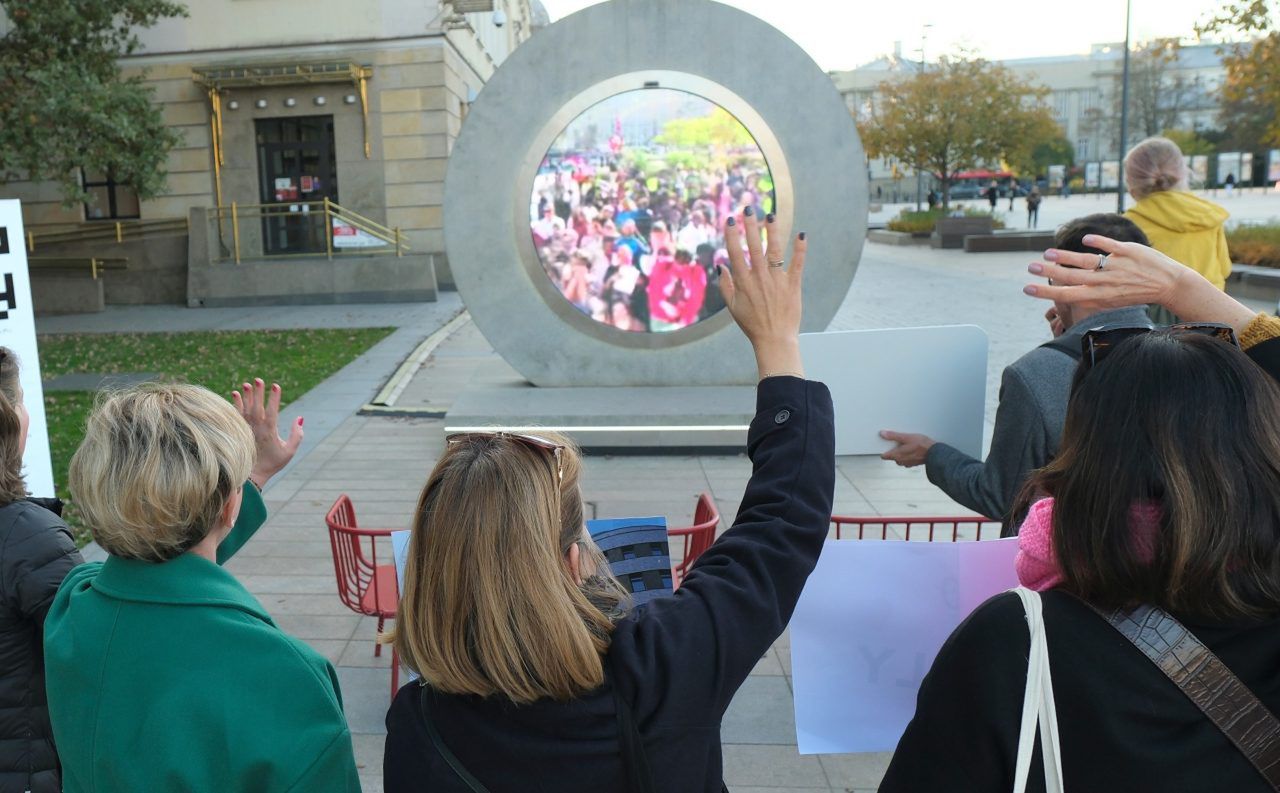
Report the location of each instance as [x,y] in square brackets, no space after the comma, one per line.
[1083,95]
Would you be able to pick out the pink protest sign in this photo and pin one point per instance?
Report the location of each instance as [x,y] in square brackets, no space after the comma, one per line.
[868,626]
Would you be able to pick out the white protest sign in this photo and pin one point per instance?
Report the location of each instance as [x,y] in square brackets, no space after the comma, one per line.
[868,626]
[927,380]
[18,333]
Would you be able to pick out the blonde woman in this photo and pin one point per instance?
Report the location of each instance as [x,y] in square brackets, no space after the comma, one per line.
[164,673]
[1180,224]
[540,676]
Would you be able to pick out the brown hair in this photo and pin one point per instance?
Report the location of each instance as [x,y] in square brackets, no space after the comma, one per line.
[489,605]
[1154,166]
[157,465]
[1187,423]
[12,486]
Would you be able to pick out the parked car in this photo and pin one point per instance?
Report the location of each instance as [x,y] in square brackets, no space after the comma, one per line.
[967,190]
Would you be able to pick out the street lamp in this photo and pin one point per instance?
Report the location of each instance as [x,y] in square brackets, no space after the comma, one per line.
[1124,106]
[924,35]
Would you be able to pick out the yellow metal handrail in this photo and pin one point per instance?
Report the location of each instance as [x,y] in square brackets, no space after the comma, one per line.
[105,231]
[392,237]
[95,265]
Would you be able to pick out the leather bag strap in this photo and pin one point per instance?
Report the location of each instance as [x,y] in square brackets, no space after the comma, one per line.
[1207,682]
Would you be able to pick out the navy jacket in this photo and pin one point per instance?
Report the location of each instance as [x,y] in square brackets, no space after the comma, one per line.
[679,660]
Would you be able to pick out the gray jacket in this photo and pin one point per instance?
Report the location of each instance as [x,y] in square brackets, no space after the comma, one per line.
[1033,407]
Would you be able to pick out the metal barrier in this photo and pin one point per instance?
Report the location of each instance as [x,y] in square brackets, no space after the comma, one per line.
[95,265]
[953,525]
[252,227]
[118,231]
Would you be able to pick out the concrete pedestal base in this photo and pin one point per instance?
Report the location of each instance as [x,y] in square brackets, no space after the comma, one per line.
[618,420]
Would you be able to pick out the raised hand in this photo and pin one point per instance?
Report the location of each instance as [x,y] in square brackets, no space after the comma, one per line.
[1133,274]
[763,293]
[263,416]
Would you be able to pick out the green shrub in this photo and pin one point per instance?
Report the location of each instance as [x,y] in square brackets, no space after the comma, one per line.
[1255,244]
[922,222]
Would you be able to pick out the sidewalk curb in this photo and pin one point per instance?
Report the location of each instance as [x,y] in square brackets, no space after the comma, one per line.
[394,387]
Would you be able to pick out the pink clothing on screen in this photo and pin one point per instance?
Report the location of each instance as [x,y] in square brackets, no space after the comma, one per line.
[1037,564]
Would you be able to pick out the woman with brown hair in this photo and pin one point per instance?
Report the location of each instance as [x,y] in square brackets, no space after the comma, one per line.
[538,674]
[1165,549]
[36,553]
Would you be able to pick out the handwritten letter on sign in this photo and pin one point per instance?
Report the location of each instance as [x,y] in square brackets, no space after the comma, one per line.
[868,626]
[18,333]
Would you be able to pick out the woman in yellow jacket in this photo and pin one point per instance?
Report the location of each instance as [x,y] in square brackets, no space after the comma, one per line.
[1180,224]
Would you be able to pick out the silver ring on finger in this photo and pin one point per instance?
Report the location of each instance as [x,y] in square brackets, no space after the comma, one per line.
[778,263]
[1102,261]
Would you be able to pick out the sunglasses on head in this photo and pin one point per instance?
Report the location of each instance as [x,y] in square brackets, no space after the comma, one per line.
[1098,343]
[534,441]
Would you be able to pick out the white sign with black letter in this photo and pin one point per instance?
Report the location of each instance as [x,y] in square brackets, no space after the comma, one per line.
[18,333]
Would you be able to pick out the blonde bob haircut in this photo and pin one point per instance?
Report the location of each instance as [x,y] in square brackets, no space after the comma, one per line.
[157,464]
[489,605]
[1154,166]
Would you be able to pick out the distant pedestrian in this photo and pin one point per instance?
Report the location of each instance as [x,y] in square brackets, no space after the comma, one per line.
[1013,192]
[1179,223]
[993,195]
[1230,184]
[1033,207]
[932,198]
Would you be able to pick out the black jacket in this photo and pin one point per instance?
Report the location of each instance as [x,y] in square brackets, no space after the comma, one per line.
[36,553]
[1124,727]
[679,660]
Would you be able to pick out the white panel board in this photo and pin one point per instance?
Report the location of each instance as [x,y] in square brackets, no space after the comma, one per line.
[927,380]
[18,333]
[868,626]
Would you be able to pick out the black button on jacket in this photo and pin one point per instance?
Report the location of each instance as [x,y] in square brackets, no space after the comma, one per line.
[679,660]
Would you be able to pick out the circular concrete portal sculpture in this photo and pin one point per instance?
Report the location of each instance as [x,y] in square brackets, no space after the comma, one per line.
[729,58]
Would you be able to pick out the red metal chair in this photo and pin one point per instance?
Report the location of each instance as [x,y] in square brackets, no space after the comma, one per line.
[696,538]
[364,586]
[942,529]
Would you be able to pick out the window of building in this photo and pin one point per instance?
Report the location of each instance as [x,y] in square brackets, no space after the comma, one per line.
[1082,149]
[108,200]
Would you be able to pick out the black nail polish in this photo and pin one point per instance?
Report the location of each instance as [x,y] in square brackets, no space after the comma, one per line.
[747,212]
[802,236]
[733,222]
[768,218]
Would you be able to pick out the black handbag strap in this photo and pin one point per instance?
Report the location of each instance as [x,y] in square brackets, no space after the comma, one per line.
[635,760]
[1207,682]
[424,697]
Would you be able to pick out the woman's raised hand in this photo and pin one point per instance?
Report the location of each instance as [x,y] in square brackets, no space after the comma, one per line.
[262,413]
[763,292]
[1133,274]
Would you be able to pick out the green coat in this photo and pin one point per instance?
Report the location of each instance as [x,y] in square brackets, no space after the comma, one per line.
[172,677]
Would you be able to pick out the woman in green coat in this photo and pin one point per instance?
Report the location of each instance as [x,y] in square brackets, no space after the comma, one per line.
[164,673]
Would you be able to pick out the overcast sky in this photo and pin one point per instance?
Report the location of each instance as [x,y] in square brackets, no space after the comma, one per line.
[843,34]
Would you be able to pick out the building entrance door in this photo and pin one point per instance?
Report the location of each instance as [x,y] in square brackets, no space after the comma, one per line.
[297,165]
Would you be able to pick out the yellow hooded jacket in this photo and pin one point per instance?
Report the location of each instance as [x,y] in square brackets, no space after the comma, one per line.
[1188,229]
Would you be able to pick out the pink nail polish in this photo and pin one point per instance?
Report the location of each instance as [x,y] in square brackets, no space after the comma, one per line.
[1030,290]
[1051,255]
[299,421]
[1035,268]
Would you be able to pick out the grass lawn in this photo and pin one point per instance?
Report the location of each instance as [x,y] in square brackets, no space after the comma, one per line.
[296,359]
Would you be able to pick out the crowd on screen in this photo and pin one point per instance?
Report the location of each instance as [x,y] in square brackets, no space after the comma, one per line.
[638,252]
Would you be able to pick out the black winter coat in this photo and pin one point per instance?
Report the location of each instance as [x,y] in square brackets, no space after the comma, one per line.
[36,553]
